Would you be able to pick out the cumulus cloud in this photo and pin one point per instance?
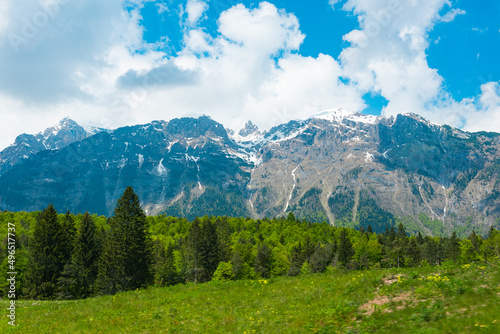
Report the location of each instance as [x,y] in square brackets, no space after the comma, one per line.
[50,45]
[195,10]
[451,15]
[388,55]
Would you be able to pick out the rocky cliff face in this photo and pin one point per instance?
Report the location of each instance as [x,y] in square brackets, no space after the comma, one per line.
[340,167]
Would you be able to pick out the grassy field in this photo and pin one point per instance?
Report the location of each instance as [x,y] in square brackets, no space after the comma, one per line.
[445,299]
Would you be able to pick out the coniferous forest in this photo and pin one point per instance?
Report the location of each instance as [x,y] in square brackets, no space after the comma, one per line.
[66,256]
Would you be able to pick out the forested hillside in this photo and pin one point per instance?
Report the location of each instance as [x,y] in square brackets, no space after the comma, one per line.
[66,256]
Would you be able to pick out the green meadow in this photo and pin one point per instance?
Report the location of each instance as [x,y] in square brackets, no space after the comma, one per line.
[432,299]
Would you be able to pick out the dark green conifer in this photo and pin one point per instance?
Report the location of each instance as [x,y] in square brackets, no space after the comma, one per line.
[346,251]
[369,229]
[263,261]
[46,256]
[165,271]
[126,261]
[452,248]
[203,250]
[297,259]
[67,237]
[86,256]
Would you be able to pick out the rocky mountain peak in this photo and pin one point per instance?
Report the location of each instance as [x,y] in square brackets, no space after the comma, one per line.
[248,129]
[55,137]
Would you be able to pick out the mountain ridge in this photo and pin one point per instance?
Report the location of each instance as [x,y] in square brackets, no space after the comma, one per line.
[337,166]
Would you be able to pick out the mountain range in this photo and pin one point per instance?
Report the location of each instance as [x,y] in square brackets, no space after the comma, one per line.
[340,167]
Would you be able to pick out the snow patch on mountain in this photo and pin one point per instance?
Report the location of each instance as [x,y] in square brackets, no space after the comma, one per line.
[339,114]
[160,169]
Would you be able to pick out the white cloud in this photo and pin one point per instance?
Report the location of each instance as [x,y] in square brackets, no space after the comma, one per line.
[195,10]
[388,55]
[452,14]
[4,16]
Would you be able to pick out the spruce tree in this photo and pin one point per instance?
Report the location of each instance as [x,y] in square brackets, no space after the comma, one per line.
[420,238]
[321,257]
[165,271]
[210,250]
[46,256]
[86,256]
[203,250]
[452,248]
[413,252]
[192,251]
[369,229]
[126,260]
[297,258]
[67,237]
[346,251]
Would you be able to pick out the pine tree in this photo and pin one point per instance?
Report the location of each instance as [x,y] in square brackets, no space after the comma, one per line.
[192,251]
[346,251]
[420,238]
[476,240]
[165,271]
[369,229]
[452,248]
[203,250]
[67,237]
[126,261]
[86,256]
[413,252]
[297,259]
[210,249]
[46,256]
[264,261]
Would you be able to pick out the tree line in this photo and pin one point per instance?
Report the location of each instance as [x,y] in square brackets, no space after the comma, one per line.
[66,256]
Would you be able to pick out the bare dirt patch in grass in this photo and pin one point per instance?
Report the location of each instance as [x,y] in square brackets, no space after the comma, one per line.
[379,301]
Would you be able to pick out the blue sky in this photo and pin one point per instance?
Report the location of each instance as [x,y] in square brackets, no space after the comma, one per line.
[121,62]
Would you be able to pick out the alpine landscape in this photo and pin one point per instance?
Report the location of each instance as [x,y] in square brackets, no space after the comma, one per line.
[240,166]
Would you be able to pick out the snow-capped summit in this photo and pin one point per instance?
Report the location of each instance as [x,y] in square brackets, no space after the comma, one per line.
[55,137]
[249,129]
[249,134]
[339,114]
